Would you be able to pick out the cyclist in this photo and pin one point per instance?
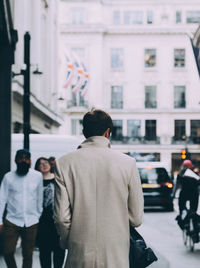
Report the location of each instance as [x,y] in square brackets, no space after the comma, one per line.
[188,181]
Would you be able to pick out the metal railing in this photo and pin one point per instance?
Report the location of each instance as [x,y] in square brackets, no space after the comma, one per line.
[179,104]
[72,104]
[186,140]
[116,104]
[150,104]
[134,140]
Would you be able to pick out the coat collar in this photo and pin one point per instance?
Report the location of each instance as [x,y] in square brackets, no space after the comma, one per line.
[95,141]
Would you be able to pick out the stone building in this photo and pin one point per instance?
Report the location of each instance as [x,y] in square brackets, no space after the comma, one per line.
[40,19]
[142,71]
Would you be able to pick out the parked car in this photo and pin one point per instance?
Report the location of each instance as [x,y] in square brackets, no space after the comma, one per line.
[157,187]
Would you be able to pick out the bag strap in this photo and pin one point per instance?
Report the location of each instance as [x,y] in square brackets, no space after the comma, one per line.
[135,234]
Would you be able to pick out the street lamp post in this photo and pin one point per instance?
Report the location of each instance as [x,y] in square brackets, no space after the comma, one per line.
[26,98]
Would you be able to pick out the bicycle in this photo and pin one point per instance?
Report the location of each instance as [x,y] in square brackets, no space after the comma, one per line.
[190,234]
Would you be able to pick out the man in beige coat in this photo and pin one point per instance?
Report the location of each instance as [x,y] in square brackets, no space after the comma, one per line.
[98,194]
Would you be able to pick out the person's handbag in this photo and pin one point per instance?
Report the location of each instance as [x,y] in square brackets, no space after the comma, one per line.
[140,256]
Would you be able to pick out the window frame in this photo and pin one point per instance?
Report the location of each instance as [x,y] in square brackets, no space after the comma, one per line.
[152,100]
[183,101]
[181,58]
[154,65]
[117,104]
[120,59]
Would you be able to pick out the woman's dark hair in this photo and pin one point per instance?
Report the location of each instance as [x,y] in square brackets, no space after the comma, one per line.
[96,122]
[37,163]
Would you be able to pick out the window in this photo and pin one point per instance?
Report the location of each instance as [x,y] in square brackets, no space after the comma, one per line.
[179,133]
[77,100]
[137,17]
[117,130]
[127,17]
[150,130]
[149,17]
[77,126]
[134,128]
[117,58]
[195,131]
[116,17]
[150,57]
[116,97]
[133,17]
[178,17]
[179,57]
[193,17]
[78,16]
[179,97]
[150,97]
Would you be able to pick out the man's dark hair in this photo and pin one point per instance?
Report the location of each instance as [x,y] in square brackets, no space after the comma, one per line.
[51,158]
[22,152]
[96,122]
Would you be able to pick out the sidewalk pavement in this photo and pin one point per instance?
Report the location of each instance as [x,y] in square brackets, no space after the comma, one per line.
[161,263]
[18,258]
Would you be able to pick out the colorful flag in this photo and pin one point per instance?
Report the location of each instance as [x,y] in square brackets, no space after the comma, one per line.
[70,72]
[80,78]
[84,88]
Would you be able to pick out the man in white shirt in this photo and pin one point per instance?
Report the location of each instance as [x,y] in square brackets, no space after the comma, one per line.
[21,193]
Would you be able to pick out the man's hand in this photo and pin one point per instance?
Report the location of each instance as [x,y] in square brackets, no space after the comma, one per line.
[1,228]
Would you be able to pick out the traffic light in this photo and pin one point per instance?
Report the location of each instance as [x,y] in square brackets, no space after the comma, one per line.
[183,154]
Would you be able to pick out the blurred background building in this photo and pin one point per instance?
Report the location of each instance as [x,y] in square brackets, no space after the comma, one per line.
[142,70]
[40,19]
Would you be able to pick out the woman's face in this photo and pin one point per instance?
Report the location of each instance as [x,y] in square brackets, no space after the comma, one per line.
[44,166]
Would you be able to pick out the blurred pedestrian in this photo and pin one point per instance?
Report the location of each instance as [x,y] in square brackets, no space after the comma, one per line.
[21,193]
[98,193]
[188,181]
[47,238]
[52,161]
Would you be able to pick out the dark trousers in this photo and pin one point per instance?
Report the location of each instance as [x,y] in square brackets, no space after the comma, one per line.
[11,233]
[45,256]
[193,198]
[48,243]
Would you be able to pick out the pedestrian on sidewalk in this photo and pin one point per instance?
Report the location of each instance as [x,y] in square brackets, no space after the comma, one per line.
[47,238]
[21,193]
[98,194]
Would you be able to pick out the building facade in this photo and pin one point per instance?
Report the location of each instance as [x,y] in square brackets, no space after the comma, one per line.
[142,71]
[40,19]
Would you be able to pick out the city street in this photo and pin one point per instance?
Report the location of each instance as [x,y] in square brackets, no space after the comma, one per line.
[162,233]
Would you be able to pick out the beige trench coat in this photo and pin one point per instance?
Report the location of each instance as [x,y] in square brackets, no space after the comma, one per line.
[98,192]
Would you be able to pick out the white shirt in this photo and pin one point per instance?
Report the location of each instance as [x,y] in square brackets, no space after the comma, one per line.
[23,196]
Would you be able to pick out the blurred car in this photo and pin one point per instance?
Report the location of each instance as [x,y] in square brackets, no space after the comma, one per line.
[157,187]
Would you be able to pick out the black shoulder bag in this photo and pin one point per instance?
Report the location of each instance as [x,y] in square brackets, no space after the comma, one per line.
[140,256]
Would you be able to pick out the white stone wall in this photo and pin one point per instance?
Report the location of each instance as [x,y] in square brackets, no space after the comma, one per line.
[40,19]
[98,35]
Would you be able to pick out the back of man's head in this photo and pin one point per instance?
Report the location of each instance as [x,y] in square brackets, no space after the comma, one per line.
[96,122]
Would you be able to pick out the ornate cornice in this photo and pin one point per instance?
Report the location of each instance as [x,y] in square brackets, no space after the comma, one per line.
[124,30]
